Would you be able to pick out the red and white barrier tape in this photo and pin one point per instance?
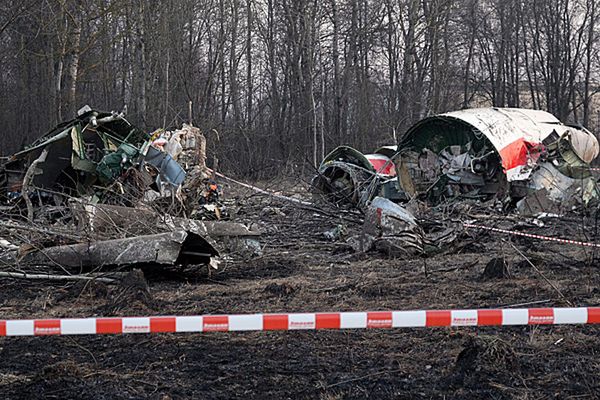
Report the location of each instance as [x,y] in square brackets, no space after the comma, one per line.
[307,321]
[530,235]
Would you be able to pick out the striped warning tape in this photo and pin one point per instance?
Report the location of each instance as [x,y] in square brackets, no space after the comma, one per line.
[530,235]
[306,321]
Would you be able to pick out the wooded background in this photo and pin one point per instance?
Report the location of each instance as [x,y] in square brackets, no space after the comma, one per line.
[275,84]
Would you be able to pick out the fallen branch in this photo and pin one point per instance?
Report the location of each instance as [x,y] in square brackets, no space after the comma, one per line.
[265,192]
[301,203]
[31,228]
[542,275]
[23,275]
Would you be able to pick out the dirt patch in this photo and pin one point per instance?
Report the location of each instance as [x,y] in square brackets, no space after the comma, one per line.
[280,290]
[131,293]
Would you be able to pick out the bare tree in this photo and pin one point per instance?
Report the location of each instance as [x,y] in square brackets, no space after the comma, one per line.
[283,82]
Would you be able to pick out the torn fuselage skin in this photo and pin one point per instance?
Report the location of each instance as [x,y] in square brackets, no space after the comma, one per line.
[125,191]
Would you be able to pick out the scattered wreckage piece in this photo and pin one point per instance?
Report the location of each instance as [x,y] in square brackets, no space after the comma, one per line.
[230,237]
[390,228]
[504,153]
[441,237]
[170,248]
[101,156]
[93,148]
[113,176]
[518,136]
[186,145]
[345,174]
[102,220]
[527,159]
[549,190]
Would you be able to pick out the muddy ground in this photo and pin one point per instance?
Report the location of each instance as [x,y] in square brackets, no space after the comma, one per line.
[303,271]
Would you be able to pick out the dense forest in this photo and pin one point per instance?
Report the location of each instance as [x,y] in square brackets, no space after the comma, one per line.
[277,83]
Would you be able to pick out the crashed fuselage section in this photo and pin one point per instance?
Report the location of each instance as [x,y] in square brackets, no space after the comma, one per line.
[348,176]
[524,158]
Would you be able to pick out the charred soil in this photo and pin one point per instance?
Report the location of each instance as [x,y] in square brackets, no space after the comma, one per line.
[303,270]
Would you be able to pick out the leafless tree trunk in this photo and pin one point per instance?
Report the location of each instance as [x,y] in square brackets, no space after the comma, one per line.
[293,78]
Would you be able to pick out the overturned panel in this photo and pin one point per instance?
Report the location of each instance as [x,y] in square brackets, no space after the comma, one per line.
[171,248]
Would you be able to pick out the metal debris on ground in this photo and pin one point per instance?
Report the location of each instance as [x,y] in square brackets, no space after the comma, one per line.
[96,193]
[390,228]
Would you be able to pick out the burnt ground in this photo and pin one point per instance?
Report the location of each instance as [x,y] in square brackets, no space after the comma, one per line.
[303,271]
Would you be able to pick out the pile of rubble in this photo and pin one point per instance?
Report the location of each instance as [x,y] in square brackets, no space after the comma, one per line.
[97,193]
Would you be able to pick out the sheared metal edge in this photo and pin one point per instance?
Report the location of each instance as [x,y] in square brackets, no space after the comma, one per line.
[163,248]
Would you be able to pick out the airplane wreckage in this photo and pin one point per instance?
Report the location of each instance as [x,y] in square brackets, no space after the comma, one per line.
[526,158]
[527,161]
[99,192]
